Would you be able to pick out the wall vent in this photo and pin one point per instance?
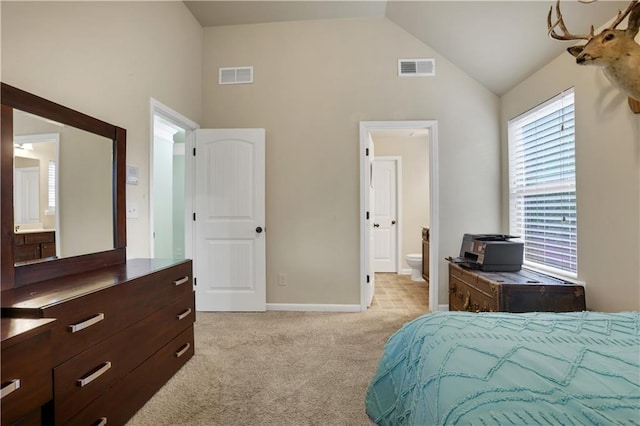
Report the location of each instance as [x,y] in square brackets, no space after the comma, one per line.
[416,67]
[237,75]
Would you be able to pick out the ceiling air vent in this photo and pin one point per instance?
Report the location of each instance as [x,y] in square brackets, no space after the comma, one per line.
[237,75]
[416,67]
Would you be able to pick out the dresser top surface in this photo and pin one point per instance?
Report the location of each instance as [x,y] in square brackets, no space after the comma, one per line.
[14,330]
[51,292]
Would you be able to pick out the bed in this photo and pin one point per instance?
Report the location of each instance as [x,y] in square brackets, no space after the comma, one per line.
[452,368]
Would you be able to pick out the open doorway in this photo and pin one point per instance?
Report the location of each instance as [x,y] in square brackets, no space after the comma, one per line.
[389,134]
[170,198]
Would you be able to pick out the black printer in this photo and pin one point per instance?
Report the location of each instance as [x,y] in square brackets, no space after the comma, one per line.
[491,253]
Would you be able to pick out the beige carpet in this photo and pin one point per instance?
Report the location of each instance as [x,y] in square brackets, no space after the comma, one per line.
[276,368]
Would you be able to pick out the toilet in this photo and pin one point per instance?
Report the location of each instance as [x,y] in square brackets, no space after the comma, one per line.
[414,260]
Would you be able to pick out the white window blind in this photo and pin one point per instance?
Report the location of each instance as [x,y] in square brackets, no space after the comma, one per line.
[542,184]
[51,188]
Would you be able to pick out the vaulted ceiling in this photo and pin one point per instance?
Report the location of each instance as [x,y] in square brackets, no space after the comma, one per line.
[499,43]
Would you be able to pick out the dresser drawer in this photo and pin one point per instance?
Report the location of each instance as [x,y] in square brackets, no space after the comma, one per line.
[26,377]
[85,321]
[147,294]
[89,374]
[123,400]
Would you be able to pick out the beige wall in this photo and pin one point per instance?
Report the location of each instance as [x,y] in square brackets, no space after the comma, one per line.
[107,59]
[314,82]
[607,178]
[414,152]
[85,184]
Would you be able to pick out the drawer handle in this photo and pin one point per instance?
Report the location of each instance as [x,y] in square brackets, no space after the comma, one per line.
[184,314]
[183,350]
[101,422]
[91,377]
[13,386]
[181,281]
[74,328]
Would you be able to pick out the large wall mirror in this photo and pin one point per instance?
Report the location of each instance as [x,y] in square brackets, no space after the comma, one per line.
[64,173]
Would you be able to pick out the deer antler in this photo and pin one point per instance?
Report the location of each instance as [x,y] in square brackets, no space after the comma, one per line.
[566,35]
[622,15]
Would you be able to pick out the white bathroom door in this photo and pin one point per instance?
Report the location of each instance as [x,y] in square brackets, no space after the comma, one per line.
[371,273]
[230,250]
[27,195]
[385,178]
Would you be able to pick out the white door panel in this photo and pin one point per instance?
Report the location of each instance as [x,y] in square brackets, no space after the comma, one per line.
[27,195]
[385,215]
[370,208]
[229,258]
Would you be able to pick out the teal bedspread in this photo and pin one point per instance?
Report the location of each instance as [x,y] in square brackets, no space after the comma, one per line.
[457,368]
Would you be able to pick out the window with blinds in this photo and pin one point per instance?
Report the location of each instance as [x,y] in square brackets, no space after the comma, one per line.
[542,184]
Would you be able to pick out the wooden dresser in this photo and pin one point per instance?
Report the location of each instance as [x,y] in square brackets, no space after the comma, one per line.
[522,291]
[120,333]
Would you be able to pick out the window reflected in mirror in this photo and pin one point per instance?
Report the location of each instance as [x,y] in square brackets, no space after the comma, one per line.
[63,193]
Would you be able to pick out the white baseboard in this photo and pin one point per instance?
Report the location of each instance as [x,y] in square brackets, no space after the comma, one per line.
[404,271]
[308,307]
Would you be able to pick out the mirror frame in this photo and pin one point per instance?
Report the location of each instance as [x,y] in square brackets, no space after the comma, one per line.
[15,276]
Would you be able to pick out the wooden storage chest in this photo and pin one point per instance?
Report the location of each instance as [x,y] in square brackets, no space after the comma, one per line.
[522,291]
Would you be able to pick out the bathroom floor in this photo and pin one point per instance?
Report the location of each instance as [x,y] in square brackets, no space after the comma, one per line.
[398,292]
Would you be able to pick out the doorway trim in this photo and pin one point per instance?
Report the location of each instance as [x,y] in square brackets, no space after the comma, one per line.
[158,108]
[365,129]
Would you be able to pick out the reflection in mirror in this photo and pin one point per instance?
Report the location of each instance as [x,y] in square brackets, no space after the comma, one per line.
[26,185]
[75,186]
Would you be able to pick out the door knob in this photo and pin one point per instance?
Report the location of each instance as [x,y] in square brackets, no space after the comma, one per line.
[376,225]
[393,222]
[258,230]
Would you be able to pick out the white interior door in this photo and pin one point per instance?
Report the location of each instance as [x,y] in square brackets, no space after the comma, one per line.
[372,193]
[385,247]
[27,195]
[230,249]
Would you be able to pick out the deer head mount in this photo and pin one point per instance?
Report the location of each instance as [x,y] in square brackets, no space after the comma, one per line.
[614,50]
